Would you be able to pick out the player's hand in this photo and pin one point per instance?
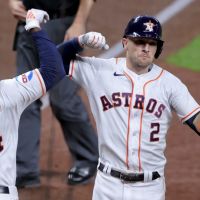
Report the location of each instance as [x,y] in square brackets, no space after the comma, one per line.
[34,18]
[18,9]
[93,40]
[75,30]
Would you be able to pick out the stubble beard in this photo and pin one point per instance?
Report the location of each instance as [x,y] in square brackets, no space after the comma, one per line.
[140,63]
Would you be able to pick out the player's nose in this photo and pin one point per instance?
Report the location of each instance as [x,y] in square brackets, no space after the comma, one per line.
[146,47]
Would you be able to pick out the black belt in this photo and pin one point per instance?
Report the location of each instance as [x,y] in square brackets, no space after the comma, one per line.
[129,177]
[4,190]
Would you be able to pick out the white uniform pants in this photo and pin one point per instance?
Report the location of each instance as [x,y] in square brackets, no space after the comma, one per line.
[110,188]
[13,194]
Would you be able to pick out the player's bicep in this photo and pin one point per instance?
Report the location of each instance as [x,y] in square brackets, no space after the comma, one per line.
[183,102]
[82,71]
[23,90]
[10,94]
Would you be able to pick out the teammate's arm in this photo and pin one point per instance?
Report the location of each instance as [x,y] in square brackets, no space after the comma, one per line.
[17,9]
[69,49]
[51,66]
[194,123]
[78,26]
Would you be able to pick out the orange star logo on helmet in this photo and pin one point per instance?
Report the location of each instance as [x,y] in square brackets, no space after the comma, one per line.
[149,26]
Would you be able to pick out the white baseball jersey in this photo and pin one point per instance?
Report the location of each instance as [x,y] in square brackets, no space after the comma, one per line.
[132,112]
[15,95]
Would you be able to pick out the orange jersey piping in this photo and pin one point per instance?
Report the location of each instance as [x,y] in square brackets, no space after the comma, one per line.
[116,60]
[71,69]
[129,114]
[40,80]
[189,114]
[141,119]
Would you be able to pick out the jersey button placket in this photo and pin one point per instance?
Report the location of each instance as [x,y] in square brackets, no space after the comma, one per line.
[135,124]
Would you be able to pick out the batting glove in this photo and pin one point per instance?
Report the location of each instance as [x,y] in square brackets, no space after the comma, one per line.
[93,40]
[34,18]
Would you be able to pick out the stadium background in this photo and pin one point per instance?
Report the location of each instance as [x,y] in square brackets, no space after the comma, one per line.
[183,148]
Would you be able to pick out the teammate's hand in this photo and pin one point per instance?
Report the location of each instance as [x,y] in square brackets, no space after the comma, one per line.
[93,40]
[75,30]
[18,9]
[35,17]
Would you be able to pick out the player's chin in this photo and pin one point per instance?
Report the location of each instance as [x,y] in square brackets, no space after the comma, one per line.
[145,62]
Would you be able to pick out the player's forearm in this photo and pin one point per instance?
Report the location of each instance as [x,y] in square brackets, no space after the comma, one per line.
[51,66]
[83,12]
[68,51]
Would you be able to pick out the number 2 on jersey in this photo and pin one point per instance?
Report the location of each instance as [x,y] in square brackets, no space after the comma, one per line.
[1,146]
[154,133]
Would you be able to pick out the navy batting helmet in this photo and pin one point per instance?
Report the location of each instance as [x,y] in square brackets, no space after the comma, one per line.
[145,27]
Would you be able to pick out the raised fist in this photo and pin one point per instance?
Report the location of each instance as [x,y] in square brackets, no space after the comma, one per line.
[35,17]
[93,40]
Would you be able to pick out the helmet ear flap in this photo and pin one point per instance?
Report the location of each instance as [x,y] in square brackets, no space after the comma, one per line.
[159,49]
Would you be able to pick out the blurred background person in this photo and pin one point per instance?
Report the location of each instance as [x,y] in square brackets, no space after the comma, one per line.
[68,19]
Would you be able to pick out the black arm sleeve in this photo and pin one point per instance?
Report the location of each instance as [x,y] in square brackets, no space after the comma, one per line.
[68,51]
[190,123]
[51,65]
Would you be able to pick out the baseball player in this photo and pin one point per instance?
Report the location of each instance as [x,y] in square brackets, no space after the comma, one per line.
[17,93]
[132,100]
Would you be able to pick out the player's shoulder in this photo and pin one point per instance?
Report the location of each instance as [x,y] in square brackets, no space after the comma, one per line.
[96,59]
[168,76]
[104,63]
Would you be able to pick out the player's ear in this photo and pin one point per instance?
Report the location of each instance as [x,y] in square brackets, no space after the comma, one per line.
[124,42]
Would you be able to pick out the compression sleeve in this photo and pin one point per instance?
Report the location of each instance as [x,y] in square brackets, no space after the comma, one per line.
[190,123]
[51,65]
[68,51]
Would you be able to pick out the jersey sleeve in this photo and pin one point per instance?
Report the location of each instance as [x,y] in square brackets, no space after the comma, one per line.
[22,90]
[83,70]
[182,101]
